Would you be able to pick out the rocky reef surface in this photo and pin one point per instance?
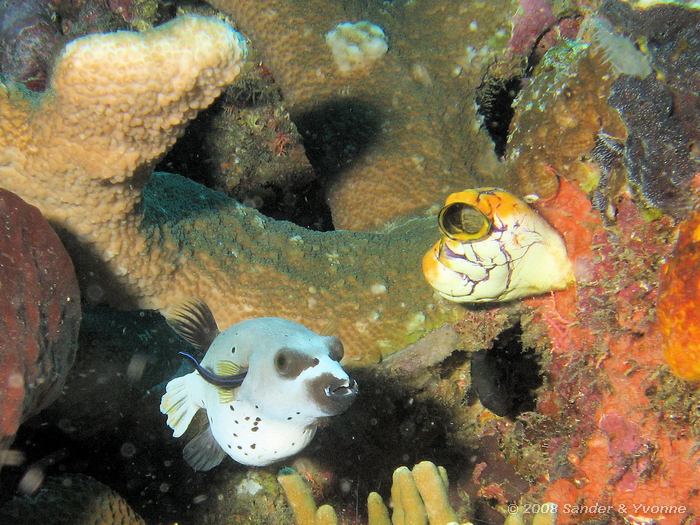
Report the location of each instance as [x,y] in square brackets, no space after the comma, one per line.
[585,400]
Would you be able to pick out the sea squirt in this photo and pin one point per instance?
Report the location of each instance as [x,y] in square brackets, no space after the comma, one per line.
[494,247]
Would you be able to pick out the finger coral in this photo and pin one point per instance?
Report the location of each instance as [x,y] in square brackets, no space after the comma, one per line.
[419,496]
[678,309]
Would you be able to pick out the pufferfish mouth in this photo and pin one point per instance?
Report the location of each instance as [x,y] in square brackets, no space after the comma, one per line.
[349,389]
[332,394]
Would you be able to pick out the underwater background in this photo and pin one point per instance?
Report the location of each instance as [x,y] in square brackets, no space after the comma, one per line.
[523,355]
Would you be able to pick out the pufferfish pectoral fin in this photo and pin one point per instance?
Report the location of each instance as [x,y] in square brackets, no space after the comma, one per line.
[203,452]
[177,403]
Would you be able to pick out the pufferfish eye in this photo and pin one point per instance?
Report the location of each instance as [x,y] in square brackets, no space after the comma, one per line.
[462,222]
[283,362]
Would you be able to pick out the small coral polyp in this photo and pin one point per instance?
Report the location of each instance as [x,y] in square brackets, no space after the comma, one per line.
[494,247]
[356,46]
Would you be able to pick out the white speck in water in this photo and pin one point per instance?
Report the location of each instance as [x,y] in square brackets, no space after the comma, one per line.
[94,293]
[31,481]
[66,425]
[199,499]
[136,367]
[345,486]
[11,457]
[127,450]
[164,487]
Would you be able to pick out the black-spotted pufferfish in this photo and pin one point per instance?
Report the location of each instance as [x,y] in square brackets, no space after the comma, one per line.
[264,383]
[494,247]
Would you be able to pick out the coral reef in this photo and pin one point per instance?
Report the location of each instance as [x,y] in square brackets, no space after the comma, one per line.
[601,427]
[159,245]
[74,499]
[397,137]
[533,18]
[605,370]
[356,46]
[40,314]
[246,146]
[658,153]
[558,116]
[577,87]
[678,309]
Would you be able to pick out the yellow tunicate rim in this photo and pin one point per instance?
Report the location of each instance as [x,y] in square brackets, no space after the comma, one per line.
[463,222]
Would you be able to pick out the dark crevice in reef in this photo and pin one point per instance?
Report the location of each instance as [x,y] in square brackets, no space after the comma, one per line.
[505,377]
[390,424]
[337,133]
[293,197]
[494,99]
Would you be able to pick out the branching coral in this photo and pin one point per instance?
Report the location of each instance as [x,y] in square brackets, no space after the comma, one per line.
[396,136]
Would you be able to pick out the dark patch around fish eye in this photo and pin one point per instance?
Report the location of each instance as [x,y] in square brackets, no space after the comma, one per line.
[335,349]
[290,363]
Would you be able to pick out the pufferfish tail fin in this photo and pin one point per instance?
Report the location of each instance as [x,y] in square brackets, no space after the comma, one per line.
[177,403]
[203,452]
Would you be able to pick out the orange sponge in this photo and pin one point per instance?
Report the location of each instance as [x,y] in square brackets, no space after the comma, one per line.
[678,309]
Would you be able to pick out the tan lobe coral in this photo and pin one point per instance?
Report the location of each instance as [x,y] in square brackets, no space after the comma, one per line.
[83,152]
[405,128]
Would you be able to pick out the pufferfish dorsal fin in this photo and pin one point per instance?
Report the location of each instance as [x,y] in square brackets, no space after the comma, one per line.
[194,322]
